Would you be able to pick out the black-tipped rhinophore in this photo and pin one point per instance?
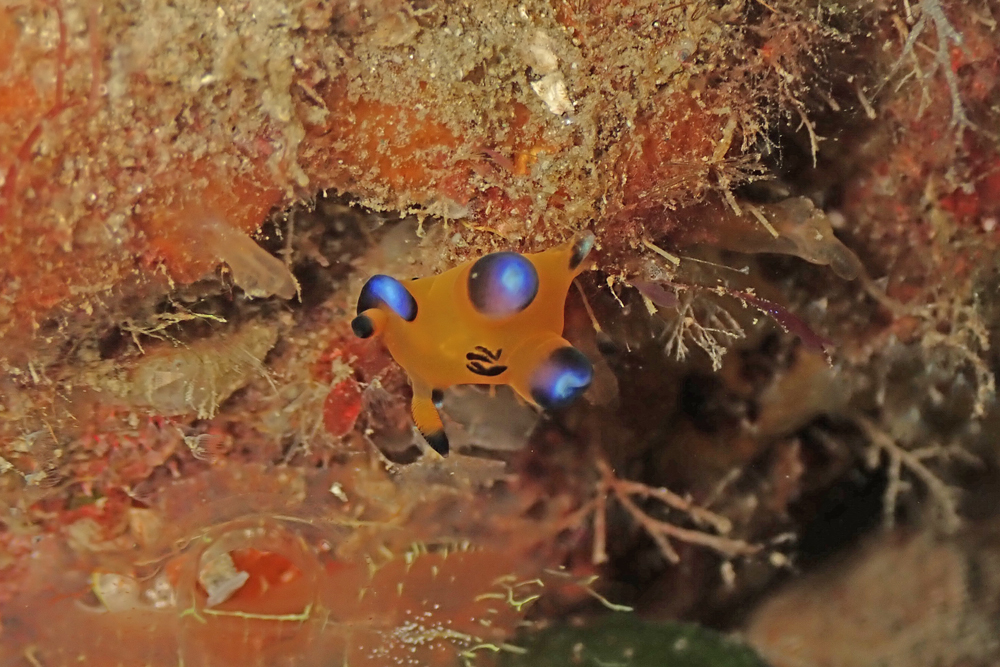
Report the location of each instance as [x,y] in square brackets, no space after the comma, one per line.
[387,290]
[438,442]
[581,248]
[362,326]
[437,398]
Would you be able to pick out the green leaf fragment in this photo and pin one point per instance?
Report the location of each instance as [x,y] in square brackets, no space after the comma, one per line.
[621,640]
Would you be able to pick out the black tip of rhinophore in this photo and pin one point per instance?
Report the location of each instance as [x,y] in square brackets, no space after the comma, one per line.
[362,326]
[438,442]
[606,344]
[437,398]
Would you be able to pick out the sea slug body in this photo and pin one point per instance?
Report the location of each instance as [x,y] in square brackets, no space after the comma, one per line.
[495,320]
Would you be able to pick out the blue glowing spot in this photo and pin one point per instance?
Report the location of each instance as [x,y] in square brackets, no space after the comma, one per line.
[387,290]
[502,284]
[561,378]
[581,248]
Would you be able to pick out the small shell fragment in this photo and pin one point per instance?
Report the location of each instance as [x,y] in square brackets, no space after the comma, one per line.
[552,89]
[221,579]
[117,592]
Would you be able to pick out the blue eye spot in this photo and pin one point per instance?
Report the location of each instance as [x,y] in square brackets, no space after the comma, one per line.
[387,290]
[502,284]
[561,378]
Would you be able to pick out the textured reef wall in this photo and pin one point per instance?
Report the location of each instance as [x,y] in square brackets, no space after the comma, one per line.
[791,317]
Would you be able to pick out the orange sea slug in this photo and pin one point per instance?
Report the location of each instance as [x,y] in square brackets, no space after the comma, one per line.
[495,320]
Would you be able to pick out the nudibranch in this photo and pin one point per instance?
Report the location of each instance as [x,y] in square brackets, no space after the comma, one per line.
[494,320]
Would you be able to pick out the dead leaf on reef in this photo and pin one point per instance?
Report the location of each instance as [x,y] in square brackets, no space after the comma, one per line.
[198,377]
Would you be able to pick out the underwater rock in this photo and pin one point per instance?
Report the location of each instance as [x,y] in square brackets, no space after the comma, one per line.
[902,600]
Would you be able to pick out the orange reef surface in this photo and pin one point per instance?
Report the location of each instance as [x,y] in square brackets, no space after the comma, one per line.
[129,136]
[791,314]
[213,573]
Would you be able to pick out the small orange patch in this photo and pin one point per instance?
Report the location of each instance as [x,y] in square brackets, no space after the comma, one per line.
[269,573]
[342,407]
[8,40]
